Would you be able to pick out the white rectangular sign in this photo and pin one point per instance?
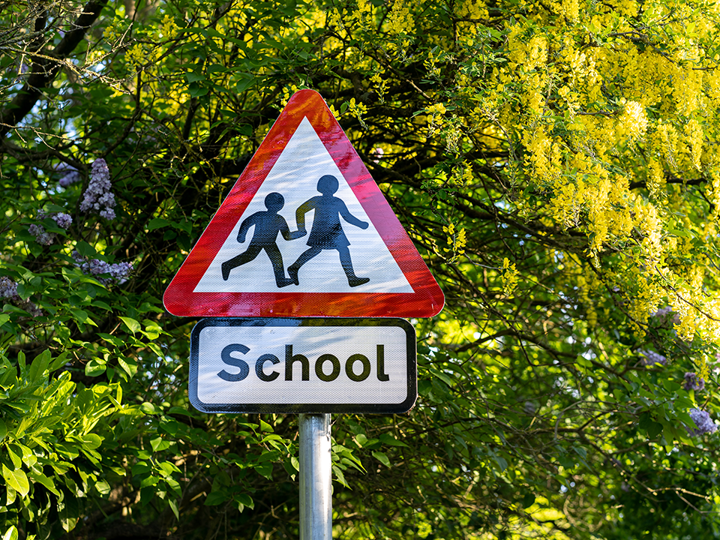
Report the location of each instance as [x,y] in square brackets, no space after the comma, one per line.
[303,366]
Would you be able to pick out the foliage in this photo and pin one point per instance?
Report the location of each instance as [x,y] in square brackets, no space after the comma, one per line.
[555,163]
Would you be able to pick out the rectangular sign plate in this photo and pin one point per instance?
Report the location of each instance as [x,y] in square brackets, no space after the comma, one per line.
[303,366]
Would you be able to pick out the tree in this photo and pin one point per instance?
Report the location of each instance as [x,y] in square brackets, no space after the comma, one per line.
[553,161]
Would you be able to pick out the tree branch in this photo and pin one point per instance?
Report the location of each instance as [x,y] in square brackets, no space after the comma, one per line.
[45,70]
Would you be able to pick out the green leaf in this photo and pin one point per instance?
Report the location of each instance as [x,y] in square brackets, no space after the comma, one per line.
[140,468]
[502,463]
[382,458]
[3,429]
[11,533]
[17,480]
[132,324]
[40,478]
[157,223]
[388,439]
[158,444]
[443,377]
[95,367]
[528,500]
[243,84]
[245,500]
[69,513]
[92,441]
[582,361]
[195,90]
[85,249]
[173,506]
[14,456]
[148,408]
[149,481]
[194,77]
[59,361]
[129,366]
[215,498]
[102,487]
[340,475]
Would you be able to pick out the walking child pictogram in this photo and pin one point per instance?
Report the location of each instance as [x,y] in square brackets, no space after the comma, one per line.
[327,231]
[267,226]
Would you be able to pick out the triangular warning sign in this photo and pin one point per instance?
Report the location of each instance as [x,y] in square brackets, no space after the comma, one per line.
[304,232]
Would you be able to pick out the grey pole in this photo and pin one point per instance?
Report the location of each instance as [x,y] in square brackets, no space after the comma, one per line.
[315,477]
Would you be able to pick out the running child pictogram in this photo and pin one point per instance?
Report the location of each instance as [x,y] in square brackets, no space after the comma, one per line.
[267,226]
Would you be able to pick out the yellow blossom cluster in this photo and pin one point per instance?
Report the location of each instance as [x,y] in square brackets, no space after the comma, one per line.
[457,240]
[509,276]
[400,20]
[357,109]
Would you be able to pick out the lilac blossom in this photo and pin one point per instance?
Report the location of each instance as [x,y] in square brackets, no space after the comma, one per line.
[652,358]
[63,220]
[693,382]
[41,236]
[98,197]
[8,291]
[119,272]
[70,174]
[703,422]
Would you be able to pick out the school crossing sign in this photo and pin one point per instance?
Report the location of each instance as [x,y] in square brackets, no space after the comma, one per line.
[304,232]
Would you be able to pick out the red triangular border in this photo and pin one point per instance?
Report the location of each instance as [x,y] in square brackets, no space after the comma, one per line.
[426,299]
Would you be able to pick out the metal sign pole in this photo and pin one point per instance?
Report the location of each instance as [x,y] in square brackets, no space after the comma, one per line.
[315,477]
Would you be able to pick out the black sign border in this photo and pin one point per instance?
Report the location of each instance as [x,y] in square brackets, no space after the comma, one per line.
[305,408]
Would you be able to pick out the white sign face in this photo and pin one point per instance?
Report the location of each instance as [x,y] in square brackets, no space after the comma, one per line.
[303,366]
[295,178]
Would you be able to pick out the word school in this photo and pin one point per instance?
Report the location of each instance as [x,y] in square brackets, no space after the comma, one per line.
[327,367]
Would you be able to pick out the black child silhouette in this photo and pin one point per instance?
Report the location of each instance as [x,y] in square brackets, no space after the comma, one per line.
[327,232]
[267,226]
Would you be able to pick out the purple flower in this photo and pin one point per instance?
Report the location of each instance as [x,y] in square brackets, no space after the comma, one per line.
[8,289]
[693,382]
[41,236]
[119,272]
[63,220]
[97,197]
[652,358]
[70,174]
[703,422]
